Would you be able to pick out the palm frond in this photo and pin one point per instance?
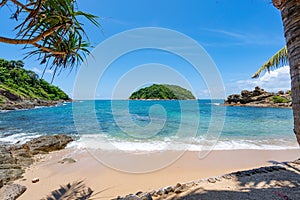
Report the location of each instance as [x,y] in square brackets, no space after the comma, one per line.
[53,32]
[76,190]
[276,61]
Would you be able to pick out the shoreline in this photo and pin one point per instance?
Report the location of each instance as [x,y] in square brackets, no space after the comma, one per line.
[30,104]
[256,105]
[112,183]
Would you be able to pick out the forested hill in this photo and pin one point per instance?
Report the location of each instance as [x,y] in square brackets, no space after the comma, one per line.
[156,91]
[21,88]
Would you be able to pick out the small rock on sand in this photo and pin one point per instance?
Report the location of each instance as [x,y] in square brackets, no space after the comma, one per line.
[35,180]
[67,160]
[227,176]
[211,180]
[131,197]
[168,190]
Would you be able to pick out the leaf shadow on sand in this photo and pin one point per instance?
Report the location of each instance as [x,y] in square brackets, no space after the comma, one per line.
[73,191]
[281,182]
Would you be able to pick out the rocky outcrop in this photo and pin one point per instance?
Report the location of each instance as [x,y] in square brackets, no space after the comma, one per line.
[15,158]
[28,104]
[45,144]
[12,191]
[9,95]
[260,98]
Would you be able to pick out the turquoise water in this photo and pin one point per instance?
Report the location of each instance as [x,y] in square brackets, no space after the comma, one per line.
[154,125]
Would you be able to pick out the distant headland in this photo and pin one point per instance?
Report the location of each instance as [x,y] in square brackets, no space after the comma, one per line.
[260,98]
[23,89]
[162,92]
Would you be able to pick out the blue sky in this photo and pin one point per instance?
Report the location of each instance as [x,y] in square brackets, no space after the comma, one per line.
[238,35]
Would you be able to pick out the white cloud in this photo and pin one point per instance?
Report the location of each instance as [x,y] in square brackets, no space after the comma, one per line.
[228,33]
[274,81]
[243,38]
[38,71]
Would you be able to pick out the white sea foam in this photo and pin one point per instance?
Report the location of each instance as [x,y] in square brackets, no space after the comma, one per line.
[4,111]
[96,141]
[106,143]
[20,138]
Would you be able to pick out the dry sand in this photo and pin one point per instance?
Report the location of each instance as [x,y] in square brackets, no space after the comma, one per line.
[111,183]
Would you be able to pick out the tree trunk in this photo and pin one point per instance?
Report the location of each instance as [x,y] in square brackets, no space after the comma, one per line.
[290,13]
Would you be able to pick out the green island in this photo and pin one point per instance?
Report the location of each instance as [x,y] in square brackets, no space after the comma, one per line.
[21,88]
[164,92]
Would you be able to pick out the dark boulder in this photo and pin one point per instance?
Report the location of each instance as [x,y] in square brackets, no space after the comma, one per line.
[45,144]
[9,95]
[15,158]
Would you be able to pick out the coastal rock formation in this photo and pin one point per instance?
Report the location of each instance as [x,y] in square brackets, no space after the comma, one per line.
[23,89]
[260,98]
[12,191]
[45,144]
[28,104]
[9,95]
[15,158]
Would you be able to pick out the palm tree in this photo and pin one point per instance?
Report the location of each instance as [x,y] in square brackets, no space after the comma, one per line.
[290,13]
[52,31]
[276,61]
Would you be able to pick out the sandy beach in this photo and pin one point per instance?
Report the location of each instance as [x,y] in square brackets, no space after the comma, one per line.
[109,183]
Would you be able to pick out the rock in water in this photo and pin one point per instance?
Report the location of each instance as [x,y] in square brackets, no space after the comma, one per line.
[11,192]
[45,144]
[260,98]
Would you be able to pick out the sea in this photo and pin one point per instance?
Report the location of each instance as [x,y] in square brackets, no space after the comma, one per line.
[156,125]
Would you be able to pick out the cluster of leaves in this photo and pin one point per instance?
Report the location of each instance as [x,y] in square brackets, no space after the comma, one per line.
[278,60]
[52,29]
[279,99]
[156,91]
[181,93]
[26,83]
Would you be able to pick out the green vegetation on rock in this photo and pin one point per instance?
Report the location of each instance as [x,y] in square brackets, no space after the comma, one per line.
[279,99]
[156,91]
[16,83]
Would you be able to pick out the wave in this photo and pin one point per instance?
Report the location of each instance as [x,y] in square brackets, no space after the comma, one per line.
[215,104]
[19,138]
[103,142]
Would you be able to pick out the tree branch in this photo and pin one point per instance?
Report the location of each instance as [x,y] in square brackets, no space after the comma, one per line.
[48,49]
[22,5]
[30,41]
[3,3]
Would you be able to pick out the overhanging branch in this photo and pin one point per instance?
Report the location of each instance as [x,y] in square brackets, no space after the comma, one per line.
[30,41]
[48,50]
[21,5]
[3,3]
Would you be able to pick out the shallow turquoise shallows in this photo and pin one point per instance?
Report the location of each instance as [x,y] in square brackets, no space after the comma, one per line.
[132,125]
